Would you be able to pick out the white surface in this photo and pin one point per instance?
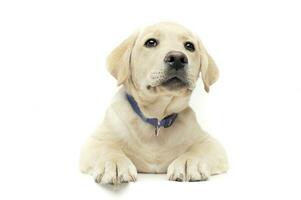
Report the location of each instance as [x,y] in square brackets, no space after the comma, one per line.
[55,89]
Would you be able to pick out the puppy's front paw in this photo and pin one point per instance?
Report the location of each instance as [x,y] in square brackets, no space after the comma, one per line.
[188,169]
[115,172]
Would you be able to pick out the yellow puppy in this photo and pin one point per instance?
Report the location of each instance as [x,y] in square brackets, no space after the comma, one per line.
[149,126]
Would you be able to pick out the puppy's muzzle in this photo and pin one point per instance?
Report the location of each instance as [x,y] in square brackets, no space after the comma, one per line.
[176,60]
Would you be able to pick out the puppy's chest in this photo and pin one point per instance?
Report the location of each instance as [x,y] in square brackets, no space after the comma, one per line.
[154,153]
[151,152]
[152,147]
[149,158]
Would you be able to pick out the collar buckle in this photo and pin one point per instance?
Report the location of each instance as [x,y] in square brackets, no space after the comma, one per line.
[165,122]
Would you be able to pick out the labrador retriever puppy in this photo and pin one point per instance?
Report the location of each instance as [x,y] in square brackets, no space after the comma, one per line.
[149,126]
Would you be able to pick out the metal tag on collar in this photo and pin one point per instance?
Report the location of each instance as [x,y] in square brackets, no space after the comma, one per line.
[157,128]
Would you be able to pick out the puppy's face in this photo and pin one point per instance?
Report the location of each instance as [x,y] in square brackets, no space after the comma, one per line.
[165,58]
[162,59]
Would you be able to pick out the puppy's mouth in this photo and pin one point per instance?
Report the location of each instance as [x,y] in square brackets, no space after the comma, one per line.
[171,80]
[174,83]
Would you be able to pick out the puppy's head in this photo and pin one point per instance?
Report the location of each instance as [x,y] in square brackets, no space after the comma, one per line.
[164,58]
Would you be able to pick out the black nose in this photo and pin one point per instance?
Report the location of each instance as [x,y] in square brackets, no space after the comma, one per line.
[176,60]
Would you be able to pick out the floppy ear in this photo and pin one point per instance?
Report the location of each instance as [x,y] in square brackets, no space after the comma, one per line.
[118,62]
[209,70]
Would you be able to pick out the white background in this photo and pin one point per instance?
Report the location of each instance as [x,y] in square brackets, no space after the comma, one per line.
[54,90]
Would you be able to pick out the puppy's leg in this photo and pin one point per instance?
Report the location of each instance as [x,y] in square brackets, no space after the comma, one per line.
[202,160]
[106,162]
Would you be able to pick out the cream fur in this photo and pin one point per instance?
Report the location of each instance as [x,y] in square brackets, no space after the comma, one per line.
[124,144]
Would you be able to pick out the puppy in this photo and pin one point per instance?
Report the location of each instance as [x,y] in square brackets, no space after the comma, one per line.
[149,126]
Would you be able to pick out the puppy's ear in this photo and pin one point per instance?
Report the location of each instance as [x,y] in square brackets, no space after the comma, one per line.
[209,70]
[118,62]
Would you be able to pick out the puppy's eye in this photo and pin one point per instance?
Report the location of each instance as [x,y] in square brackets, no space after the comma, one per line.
[151,43]
[189,46]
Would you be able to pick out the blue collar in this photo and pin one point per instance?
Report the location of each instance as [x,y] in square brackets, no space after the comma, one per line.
[165,122]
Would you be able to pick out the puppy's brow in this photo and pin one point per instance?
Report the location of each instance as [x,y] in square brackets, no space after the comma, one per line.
[185,37]
[155,34]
